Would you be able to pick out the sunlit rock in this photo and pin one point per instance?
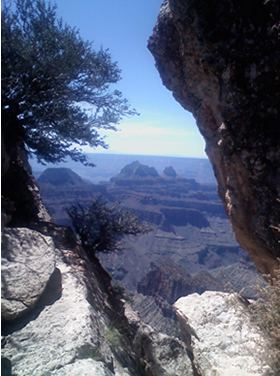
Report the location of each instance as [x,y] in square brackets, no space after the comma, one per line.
[27,265]
[217,330]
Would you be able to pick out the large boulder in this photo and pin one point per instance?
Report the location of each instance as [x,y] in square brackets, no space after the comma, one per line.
[28,261]
[65,331]
[220,335]
[221,60]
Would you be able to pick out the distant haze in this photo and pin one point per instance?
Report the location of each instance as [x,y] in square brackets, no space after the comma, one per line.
[109,165]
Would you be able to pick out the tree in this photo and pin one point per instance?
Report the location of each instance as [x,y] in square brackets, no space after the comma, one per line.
[101,227]
[55,86]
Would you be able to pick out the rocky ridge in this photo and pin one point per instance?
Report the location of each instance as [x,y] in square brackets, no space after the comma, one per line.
[190,230]
[101,334]
[169,281]
[231,61]
[61,187]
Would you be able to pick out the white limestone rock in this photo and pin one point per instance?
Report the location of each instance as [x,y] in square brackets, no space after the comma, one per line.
[83,367]
[68,330]
[28,261]
[219,334]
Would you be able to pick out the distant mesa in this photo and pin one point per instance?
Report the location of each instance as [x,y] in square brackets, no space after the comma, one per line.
[137,169]
[170,172]
[137,173]
[60,176]
[61,187]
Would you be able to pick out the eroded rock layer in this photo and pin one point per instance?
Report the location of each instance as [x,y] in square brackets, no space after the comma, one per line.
[221,60]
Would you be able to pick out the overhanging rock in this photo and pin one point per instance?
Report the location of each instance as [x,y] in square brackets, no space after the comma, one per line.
[221,60]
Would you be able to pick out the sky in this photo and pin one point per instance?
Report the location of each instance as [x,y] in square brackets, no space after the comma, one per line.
[124,26]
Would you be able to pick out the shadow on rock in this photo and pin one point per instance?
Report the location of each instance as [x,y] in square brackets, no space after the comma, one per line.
[51,293]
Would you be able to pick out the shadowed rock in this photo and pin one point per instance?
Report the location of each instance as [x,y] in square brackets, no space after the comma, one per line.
[222,63]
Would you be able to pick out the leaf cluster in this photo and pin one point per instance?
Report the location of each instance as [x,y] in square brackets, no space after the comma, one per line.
[55,84]
[100,227]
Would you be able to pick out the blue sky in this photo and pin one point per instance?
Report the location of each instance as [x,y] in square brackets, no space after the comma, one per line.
[124,26]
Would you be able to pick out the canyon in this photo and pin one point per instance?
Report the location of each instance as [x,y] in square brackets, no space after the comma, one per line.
[189,225]
[62,315]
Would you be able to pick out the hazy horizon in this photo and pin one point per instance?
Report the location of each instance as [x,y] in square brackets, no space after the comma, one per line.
[108,165]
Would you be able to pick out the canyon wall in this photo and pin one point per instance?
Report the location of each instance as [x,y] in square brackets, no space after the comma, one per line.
[221,60]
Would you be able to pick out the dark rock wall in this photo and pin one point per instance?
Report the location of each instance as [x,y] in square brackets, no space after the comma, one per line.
[221,60]
[167,281]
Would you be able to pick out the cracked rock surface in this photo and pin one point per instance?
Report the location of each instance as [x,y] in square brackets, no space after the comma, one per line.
[28,261]
[219,334]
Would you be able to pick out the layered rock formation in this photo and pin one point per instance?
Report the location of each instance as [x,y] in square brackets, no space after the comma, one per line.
[189,221]
[106,166]
[170,282]
[61,187]
[60,313]
[222,63]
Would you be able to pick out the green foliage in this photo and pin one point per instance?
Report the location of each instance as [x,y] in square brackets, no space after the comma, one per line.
[100,227]
[113,338]
[55,86]
[121,292]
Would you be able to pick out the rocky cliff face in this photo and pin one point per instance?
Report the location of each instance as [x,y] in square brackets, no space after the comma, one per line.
[169,281]
[222,63]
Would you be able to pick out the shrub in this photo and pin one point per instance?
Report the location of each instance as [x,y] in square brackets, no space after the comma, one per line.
[100,227]
[121,292]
